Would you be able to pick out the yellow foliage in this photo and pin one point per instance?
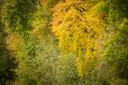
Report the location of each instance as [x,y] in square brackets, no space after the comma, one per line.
[13,40]
[80,28]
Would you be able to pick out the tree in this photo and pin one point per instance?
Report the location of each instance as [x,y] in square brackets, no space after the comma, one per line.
[8,62]
[79,26]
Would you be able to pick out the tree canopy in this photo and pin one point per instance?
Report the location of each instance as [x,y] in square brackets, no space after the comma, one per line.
[63,42]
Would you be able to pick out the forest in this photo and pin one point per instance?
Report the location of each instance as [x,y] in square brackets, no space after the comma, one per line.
[63,42]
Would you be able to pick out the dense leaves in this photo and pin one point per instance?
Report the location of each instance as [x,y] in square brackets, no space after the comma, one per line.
[80,27]
[64,42]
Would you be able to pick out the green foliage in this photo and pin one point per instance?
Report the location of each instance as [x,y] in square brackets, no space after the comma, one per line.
[16,14]
[37,52]
[120,6]
[116,52]
[7,61]
[66,71]
[64,42]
